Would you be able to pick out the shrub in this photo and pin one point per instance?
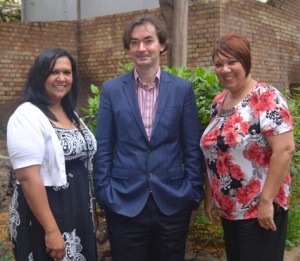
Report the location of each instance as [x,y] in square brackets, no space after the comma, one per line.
[293,231]
[206,86]
[90,118]
[294,105]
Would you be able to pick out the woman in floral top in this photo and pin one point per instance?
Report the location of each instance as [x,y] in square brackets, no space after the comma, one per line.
[247,146]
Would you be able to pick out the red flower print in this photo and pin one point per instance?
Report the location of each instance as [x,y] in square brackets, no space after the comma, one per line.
[281,197]
[236,172]
[227,206]
[233,120]
[215,185]
[286,116]
[221,168]
[256,111]
[242,195]
[210,138]
[231,137]
[244,127]
[251,213]
[254,100]
[267,102]
[288,179]
[269,132]
[233,127]
[246,194]
[259,155]
[223,162]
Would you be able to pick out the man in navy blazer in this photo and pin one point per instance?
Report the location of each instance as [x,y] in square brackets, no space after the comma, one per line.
[148,169]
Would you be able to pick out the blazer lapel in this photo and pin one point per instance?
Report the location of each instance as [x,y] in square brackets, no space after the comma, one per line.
[129,88]
[164,89]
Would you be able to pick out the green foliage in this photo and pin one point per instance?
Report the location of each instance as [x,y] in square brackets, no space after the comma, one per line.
[293,232]
[206,86]
[90,118]
[5,255]
[125,67]
[10,11]
[294,105]
[293,229]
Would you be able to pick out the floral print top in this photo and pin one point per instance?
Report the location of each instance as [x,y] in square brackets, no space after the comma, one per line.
[237,153]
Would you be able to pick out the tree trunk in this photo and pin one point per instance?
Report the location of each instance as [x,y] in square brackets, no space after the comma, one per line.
[180,20]
[175,14]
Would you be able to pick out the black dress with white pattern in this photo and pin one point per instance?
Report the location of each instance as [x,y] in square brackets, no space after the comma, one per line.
[70,204]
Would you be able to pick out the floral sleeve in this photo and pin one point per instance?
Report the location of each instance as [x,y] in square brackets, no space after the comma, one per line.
[275,117]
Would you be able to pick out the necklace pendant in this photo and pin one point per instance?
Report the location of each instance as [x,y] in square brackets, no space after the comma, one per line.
[226,113]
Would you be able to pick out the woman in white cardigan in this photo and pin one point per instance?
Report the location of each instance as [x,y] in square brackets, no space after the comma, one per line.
[50,149]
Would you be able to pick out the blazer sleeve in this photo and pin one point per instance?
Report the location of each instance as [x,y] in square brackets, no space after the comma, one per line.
[103,159]
[193,159]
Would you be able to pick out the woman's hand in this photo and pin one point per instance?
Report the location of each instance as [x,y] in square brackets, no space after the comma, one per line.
[36,197]
[282,146]
[55,244]
[265,214]
[211,210]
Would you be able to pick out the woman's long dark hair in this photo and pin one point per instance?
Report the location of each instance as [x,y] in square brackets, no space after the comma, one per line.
[34,88]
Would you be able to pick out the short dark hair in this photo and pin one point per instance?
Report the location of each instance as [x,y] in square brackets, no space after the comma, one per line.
[237,46]
[34,88]
[141,20]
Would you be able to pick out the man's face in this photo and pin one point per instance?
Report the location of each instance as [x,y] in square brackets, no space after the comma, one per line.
[145,47]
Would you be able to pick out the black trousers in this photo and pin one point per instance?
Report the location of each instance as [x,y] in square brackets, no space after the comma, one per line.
[246,240]
[150,236]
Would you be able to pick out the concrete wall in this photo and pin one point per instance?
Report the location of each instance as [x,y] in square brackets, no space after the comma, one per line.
[94,8]
[274,34]
[43,10]
[61,10]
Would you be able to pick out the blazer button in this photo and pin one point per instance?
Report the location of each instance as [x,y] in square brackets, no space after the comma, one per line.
[149,175]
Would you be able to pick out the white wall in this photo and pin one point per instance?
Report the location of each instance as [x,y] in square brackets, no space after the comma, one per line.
[49,10]
[93,8]
[55,10]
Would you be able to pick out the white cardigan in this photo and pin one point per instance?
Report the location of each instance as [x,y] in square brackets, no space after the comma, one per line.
[31,140]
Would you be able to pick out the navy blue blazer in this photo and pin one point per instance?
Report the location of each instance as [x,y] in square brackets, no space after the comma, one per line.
[127,166]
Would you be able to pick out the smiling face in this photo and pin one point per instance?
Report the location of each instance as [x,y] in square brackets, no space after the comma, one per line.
[230,72]
[59,81]
[145,47]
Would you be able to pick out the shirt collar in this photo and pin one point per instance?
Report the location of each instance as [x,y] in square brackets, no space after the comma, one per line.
[139,81]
